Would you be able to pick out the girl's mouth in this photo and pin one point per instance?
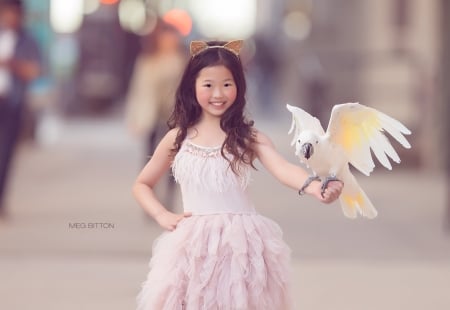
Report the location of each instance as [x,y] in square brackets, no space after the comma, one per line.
[217,104]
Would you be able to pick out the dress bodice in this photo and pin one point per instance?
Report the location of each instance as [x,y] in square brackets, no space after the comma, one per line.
[208,185]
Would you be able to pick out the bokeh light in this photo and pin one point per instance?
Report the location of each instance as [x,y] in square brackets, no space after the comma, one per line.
[180,20]
[109,1]
[90,6]
[66,16]
[225,19]
[132,15]
[297,25]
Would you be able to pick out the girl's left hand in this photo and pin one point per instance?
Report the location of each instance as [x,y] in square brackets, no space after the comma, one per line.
[332,192]
[169,220]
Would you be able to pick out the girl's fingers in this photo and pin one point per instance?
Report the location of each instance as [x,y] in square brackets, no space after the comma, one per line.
[173,222]
[331,194]
[334,190]
[326,197]
[335,186]
[180,217]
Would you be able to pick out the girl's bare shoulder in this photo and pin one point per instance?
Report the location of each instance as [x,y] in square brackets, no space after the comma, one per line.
[169,139]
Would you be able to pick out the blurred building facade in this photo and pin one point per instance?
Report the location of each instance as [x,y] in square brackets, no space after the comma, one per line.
[403,79]
[383,54]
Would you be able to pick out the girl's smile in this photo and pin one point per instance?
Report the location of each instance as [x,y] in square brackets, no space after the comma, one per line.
[215,90]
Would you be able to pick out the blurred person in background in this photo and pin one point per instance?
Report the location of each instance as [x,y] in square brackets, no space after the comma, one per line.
[266,73]
[151,94]
[19,64]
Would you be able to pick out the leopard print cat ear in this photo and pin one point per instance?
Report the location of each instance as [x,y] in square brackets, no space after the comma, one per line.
[234,46]
[196,47]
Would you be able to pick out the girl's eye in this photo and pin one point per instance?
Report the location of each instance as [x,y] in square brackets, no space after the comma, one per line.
[228,84]
[207,85]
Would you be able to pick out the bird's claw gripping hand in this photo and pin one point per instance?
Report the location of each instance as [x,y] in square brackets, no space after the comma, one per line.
[325,183]
[308,181]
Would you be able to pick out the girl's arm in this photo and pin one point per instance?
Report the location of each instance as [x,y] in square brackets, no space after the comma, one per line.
[289,174]
[158,165]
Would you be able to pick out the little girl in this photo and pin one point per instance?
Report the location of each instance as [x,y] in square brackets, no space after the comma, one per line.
[220,253]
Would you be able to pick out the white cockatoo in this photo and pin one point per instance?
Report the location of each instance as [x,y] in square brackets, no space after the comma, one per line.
[353,131]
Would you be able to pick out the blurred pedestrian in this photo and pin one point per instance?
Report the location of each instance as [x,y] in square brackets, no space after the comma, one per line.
[19,64]
[152,89]
[266,73]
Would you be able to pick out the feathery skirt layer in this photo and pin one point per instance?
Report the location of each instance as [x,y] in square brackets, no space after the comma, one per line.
[220,261]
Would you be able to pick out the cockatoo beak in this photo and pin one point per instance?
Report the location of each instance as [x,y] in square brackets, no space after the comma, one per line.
[307,150]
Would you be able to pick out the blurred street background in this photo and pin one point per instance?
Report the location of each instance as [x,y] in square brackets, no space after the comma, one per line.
[71,235]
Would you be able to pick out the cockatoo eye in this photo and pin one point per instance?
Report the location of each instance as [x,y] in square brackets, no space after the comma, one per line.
[317,141]
[299,141]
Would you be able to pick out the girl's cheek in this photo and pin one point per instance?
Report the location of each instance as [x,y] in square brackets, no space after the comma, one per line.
[203,97]
[231,93]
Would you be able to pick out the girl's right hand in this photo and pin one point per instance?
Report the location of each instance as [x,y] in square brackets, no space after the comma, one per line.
[169,220]
[332,192]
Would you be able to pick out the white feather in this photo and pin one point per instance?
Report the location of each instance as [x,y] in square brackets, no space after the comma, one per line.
[362,159]
[395,129]
[378,143]
[304,121]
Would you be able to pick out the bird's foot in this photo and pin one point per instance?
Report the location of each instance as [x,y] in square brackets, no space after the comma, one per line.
[327,180]
[308,181]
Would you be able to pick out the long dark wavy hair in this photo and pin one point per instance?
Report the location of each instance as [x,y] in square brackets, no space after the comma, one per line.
[240,135]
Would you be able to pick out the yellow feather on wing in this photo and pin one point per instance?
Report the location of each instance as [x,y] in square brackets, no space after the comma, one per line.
[359,129]
[353,199]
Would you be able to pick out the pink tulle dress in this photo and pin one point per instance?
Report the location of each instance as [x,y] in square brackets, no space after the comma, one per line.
[226,255]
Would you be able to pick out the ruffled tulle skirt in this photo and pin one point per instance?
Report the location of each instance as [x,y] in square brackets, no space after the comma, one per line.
[221,261]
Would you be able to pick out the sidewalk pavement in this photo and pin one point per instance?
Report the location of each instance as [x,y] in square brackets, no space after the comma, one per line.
[75,238]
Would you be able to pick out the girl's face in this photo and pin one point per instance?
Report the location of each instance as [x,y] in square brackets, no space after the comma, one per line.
[215,90]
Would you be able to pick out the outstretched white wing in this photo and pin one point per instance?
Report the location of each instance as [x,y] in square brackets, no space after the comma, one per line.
[358,129]
[301,121]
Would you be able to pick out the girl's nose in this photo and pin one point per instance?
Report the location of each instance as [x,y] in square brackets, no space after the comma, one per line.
[217,92]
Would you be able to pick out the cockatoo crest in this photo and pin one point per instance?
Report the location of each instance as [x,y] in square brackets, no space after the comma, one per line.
[302,121]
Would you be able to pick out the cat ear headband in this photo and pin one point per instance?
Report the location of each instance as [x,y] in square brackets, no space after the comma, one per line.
[199,46]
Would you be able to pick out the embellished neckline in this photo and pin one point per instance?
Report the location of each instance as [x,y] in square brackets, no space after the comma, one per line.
[203,151]
[216,147]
